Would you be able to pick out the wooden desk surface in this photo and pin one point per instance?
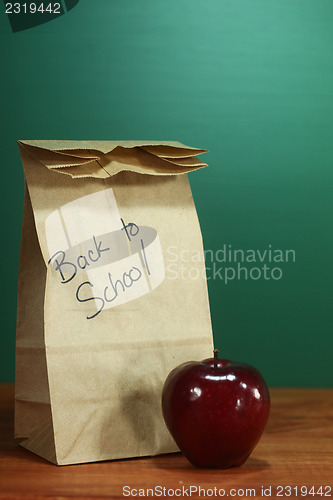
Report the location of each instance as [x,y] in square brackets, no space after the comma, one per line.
[296,450]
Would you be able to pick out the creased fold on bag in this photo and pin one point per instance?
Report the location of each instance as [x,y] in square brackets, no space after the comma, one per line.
[152,159]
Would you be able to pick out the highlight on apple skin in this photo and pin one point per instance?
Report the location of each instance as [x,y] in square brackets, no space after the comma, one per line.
[216,410]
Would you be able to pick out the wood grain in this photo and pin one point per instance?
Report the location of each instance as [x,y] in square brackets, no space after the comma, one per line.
[295,450]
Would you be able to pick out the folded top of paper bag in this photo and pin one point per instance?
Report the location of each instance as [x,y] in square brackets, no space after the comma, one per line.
[102,159]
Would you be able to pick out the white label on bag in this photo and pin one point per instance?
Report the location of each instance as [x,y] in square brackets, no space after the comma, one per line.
[111,260]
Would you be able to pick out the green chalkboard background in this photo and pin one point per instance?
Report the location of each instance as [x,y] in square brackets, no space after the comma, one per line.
[250,80]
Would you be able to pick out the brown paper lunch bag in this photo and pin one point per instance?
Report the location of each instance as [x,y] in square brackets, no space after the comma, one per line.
[104,313]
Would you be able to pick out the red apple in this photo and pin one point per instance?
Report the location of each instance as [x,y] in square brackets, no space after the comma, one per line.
[216,410]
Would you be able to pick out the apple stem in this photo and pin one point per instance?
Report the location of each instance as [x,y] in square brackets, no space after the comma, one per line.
[216,353]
